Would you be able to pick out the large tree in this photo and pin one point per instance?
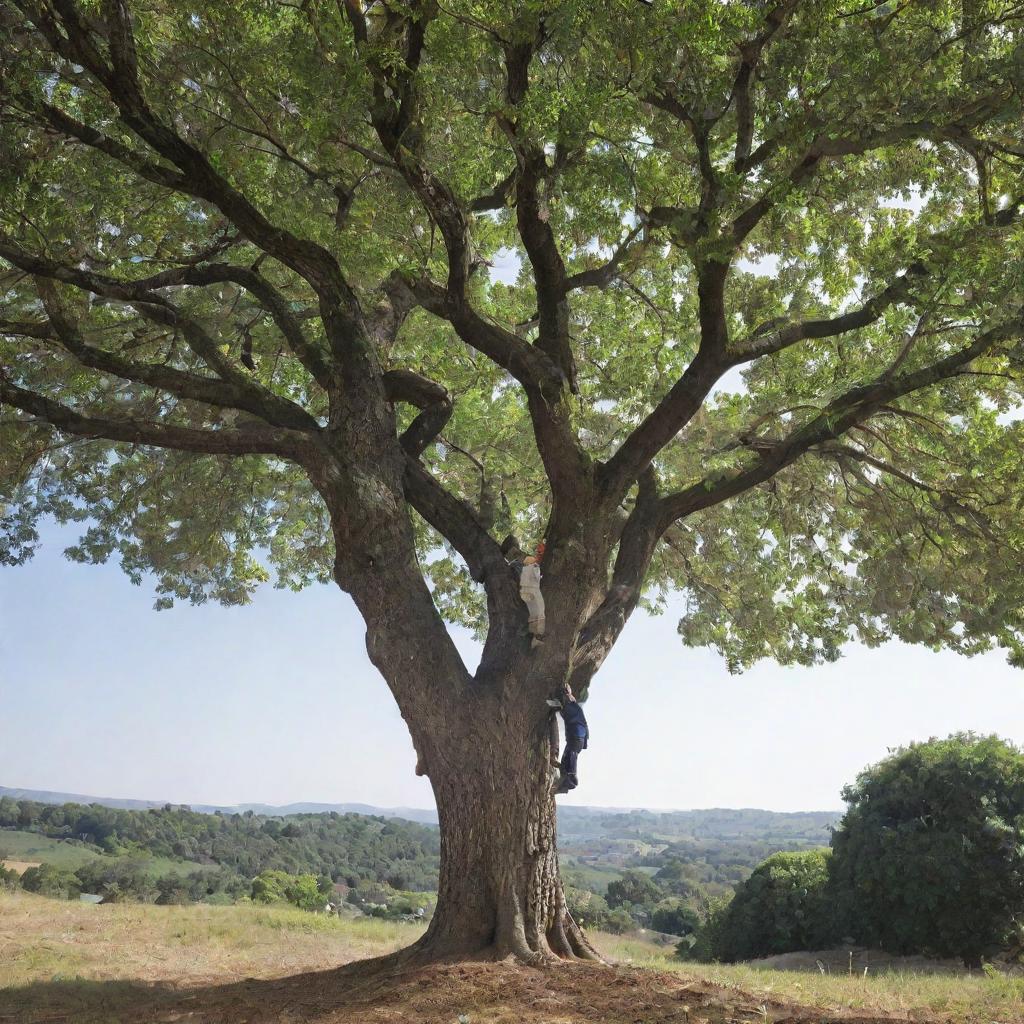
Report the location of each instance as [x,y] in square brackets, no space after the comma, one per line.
[761,347]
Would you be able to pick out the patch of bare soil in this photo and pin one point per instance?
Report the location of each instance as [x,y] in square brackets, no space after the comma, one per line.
[20,866]
[480,993]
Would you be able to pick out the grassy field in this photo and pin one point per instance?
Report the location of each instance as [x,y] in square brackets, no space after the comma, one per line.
[53,953]
[590,876]
[28,847]
[978,996]
[44,940]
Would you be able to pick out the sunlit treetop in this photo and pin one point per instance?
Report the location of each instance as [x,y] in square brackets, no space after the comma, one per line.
[750,270]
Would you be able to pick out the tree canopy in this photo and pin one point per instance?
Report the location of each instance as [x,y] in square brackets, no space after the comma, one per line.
[770,249]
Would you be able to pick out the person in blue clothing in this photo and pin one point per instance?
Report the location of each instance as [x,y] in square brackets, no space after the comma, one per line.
[576,736]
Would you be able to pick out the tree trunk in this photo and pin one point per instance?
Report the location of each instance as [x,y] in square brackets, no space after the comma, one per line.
[484,742]
[499,892]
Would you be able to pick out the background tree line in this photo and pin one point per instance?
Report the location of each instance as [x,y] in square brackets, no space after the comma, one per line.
[346,848]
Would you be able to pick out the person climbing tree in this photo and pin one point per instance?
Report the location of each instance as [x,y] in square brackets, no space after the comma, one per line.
[576,735]
[526,569]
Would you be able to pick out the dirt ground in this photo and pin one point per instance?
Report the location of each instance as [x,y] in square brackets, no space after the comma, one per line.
[21,866]
[466,993]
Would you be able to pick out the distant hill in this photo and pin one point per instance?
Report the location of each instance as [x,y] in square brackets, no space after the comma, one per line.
[722,823]
[574,822]
[42,796]
[422,815]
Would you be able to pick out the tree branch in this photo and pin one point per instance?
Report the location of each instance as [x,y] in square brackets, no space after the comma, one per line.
[772,337]
[685,397]
[452,517]
[211,391]
[637,543]
[840,415]
[525,363]
[602,276]
[258,399]
[288,444]
[533,216]
[743,87]
[824,147]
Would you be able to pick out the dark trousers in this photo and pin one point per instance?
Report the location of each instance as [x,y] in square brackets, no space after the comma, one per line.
[573,746]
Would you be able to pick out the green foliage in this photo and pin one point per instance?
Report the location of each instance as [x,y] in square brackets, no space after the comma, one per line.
[345,847]
[378,899]
[695,854]
[674,918]
[635,887]
[703,944]
[783,906]
[9,878]
[270,886]
[673,877]
[619,921]
[119,880]
[885,137]
[589,910]
[306,892]
[929,856]
[47,880]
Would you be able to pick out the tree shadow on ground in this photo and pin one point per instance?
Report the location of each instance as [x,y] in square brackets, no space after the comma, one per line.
[378,992]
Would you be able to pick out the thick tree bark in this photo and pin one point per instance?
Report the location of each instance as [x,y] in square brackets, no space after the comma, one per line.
[499,892]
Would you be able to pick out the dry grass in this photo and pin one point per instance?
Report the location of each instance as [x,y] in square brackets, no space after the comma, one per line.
[130,963]
[977,997]
[43,940]
[20,866]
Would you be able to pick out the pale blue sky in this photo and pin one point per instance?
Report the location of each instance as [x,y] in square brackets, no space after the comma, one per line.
[277,702]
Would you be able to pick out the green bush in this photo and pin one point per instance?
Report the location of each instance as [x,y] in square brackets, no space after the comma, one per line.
[634,887]
[618,922]
[588,909]
[702,944]
[270,886]
[674,918]
[48,880]
[9,878]
[118,881]
[784,905]
[304,891]
[929,857]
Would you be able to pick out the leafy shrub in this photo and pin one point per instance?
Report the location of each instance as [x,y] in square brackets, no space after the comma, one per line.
[674,918]
[51,881]
[618,922]
[929,857]
[118,881]
[702,944]
[304,891]
[784,905]
[588,909]
[634,887]
[673,877]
